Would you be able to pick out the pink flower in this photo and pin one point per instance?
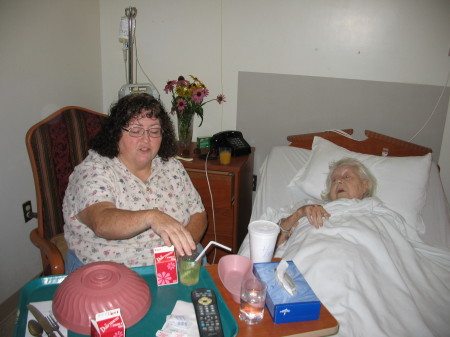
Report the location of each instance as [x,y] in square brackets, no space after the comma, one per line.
[181,104]
[169,86]
[198,95]
[220,99]
[182,81]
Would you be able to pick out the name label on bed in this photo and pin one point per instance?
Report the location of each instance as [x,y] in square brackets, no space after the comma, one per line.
[284,308]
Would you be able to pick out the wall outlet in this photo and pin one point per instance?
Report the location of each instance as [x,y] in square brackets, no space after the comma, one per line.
[254,180]
[27,211]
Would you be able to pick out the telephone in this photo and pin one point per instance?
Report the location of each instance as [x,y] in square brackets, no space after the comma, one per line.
[233,139]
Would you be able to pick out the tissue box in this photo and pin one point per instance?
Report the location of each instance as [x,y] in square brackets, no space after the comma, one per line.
[108,324]
[284,308]
[165,265]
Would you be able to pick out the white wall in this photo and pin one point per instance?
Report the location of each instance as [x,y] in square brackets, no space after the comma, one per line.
[403,41]
[49,58]
[444,160]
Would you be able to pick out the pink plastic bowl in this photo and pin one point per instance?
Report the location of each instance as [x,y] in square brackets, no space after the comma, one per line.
[232,270]
[98,287]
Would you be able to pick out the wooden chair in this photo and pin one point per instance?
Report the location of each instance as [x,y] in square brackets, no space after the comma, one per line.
[55,146]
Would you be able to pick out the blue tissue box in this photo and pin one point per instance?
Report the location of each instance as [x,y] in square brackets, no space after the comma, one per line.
[284,308]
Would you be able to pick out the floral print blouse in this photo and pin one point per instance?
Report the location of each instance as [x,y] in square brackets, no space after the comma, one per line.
[99,179]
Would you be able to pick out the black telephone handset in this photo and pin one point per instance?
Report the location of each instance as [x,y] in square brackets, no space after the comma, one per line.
[232,139]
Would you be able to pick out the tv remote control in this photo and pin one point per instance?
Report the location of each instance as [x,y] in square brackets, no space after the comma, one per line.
[207,312]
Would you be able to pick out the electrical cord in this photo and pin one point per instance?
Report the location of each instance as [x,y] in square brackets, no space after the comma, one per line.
[139,64]
[340,132]
[423,126]
[212,205]
[434,110]
[135,49]
[125,58]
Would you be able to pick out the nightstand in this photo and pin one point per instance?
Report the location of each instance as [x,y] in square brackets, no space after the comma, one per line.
[231,187]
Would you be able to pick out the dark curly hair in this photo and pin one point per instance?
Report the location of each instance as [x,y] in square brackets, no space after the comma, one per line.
[106,142]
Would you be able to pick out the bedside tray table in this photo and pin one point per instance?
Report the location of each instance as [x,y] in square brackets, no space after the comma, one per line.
[163,302]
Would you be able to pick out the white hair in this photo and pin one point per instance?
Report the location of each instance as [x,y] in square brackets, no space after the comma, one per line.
[363,172]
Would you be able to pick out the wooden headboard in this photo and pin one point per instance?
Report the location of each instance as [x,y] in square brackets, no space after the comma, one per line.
[375,143]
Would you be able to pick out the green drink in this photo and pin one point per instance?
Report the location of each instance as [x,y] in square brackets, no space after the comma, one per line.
[189,269]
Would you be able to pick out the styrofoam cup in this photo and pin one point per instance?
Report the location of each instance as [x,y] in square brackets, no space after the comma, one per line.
[263,237]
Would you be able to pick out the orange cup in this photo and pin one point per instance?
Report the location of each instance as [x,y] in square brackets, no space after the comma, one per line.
[225,155]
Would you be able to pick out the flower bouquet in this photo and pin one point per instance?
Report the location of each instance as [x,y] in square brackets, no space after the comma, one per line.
[187,101]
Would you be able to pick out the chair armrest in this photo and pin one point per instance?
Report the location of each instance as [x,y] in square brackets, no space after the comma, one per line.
[50,254]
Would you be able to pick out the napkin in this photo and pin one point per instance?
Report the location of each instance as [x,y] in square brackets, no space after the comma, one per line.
[284,278]
[181,322]
[46,308]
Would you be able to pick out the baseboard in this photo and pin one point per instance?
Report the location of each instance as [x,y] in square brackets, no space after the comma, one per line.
[9,305]
[12,302]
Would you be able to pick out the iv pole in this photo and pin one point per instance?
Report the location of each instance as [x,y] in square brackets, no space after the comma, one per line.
[131,86]
[130,13]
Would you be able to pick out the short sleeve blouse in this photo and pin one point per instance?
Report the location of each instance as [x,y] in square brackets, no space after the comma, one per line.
[99,179]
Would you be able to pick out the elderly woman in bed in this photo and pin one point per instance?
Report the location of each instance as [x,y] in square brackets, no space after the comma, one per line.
[348,178]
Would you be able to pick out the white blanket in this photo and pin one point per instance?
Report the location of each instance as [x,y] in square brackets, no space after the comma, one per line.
[371,272]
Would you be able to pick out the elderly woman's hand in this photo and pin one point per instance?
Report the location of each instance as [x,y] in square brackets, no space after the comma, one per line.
[315,214]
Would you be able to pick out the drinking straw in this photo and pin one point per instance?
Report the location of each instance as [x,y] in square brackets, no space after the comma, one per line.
[207,246]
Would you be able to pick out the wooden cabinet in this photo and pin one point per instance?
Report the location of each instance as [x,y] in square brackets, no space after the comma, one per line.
[230,207]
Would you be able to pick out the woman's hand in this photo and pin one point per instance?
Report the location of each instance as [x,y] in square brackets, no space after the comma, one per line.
[173,233]
[315,214]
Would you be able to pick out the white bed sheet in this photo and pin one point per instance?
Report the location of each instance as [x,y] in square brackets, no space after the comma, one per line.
[399,284]
[370,276]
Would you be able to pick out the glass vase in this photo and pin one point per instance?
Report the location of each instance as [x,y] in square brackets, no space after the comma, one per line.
[185,131]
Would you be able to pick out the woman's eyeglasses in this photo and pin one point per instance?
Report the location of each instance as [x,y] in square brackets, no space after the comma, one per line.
[137,131]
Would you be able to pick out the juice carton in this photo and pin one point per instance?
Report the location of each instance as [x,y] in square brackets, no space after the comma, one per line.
[165,265]
[108,324]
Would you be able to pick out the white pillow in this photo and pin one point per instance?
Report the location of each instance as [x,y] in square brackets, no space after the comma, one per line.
[402,181]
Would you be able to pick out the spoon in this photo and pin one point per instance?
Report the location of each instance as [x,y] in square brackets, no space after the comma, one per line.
[35,328]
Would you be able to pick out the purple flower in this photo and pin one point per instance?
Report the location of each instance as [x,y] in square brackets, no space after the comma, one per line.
[220,99]
[198,95]
[181,104]
[182,81]
[169,86]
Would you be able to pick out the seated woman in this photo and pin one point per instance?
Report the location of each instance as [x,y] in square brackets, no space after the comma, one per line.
[130,194]
[348,178]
